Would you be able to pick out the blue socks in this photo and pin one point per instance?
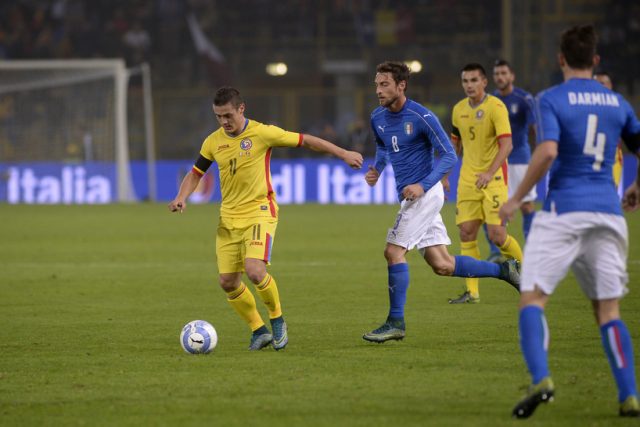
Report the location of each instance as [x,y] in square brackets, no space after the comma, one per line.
[534,341]
[526,223]
[467,266]
[619,350]
[492,247]
[398,285]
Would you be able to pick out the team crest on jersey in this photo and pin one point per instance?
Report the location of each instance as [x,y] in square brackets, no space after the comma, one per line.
[408,128]
[246,144]
[514,108]
[479,114]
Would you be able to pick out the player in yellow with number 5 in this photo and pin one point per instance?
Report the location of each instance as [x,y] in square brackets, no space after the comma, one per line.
[481,130]
[249,212]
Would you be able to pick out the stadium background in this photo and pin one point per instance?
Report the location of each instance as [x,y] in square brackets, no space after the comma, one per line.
[330,49]
[93,298]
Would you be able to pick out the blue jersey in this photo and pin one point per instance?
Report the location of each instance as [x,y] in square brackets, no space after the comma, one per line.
[520,105]
[586,120]
[408,139]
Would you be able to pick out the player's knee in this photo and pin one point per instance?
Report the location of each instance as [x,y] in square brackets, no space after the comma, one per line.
[256,275]
[392,255]
[227,283]
[468,234]
[442,266]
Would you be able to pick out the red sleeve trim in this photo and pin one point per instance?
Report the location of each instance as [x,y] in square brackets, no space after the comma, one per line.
[300,140]
[197,171]
[504,135]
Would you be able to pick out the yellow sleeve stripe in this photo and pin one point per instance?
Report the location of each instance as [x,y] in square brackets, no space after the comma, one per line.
[197,171]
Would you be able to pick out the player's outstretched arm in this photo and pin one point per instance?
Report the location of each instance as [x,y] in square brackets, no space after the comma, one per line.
[188,186]
[352,158]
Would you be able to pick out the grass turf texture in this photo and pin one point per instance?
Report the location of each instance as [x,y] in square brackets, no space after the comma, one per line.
[93,299]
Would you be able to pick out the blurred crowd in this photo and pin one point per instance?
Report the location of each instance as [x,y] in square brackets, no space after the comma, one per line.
[243,35]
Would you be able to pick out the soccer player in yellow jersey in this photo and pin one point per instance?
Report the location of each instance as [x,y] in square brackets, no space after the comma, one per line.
[249,212]
[481,130]
[604,79]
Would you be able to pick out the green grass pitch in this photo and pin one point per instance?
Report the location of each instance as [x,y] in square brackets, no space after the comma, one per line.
[92,300]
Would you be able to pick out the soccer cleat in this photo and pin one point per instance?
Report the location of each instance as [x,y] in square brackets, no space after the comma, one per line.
[510,273]
[630,407]
[260,338]
[495,257]
[537,394]
[280,337]
[390,330]
[464,298]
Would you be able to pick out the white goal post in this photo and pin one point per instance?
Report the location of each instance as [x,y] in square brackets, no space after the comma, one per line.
[89,94]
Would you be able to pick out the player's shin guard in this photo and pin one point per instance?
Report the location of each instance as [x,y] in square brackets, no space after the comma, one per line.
[268,291]
[534,341]
[244,304]
[398,285]
[471,249]
[617,345]
[511,249]
[527,219]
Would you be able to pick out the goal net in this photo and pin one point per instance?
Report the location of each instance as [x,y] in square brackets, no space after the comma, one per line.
[67,111]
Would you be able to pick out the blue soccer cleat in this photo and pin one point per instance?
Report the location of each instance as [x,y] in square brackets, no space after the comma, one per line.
[280,336]
[260,338]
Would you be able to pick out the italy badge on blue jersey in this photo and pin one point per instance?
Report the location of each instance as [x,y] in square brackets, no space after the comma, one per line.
[408,128]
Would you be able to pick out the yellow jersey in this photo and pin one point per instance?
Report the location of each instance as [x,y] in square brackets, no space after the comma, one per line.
[244,162]
[480,128]
[617,166]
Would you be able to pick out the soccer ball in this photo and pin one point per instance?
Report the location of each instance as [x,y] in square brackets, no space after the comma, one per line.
[198,336]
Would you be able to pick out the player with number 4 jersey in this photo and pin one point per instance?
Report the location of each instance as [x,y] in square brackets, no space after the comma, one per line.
[581,225]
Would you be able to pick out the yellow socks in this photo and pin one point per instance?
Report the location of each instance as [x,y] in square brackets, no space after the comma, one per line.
[471,249]
[244,304]
[268,292]
[511,249]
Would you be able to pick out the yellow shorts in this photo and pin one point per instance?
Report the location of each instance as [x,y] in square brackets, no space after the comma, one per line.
[240,238]
[483,204]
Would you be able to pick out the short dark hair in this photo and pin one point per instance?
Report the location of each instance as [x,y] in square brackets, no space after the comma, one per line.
[227,94]
[398,70]
[502,63]
[473,66]
[578,46]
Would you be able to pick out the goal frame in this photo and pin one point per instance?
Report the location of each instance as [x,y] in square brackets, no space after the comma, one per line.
[118,70]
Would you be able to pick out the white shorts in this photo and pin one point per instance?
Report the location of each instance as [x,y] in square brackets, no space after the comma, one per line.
[593,244]
[516,174]
[419,223]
